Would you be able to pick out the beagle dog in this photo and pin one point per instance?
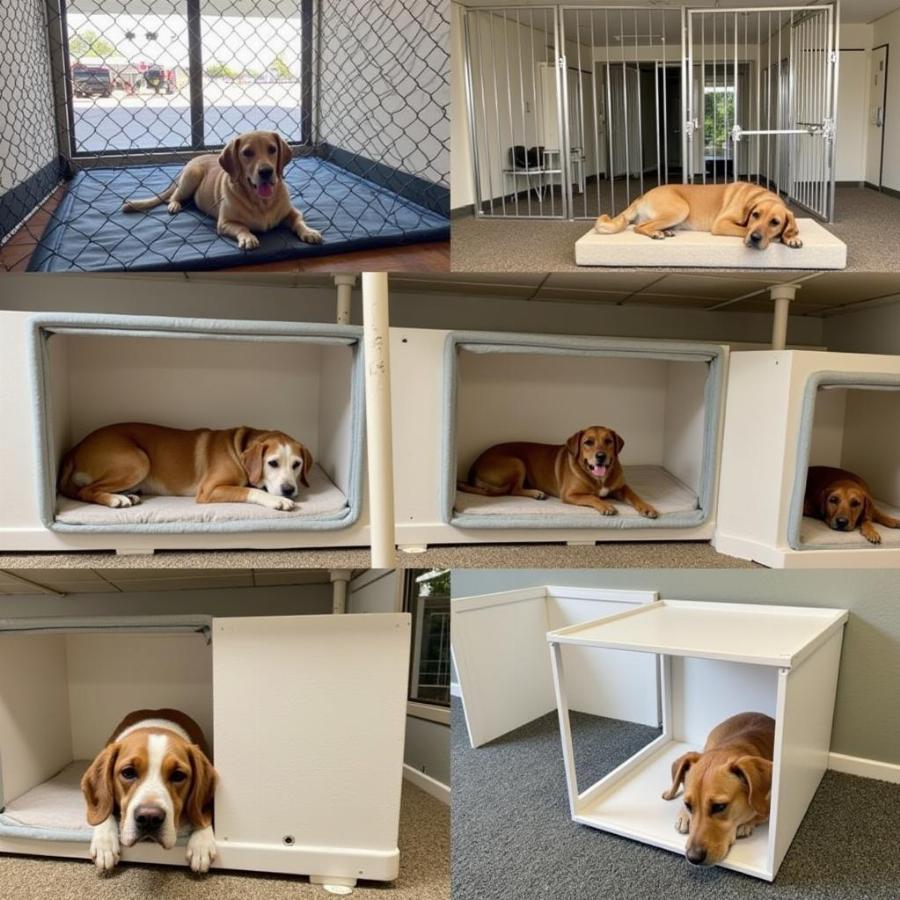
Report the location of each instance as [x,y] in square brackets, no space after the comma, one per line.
[114,464]
[727,787]
[152,777]
[242,188]
[844,502]
[584,471]
[737,208]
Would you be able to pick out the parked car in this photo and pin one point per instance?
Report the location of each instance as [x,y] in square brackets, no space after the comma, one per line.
[92,81]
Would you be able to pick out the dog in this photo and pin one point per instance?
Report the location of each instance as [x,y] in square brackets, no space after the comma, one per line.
[242,189]
[114,464]
[739,209]
[844,502]
[153,776]
[583,471]
[727,787]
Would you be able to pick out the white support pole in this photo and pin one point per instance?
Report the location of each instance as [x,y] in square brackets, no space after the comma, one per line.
[344,285]
[340,583]
[378,419]
[782,294]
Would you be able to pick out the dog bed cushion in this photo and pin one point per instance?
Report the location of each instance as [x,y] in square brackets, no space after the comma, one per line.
[322,500]
[671,497]
[816,535]
[54,810]
[699,249]
[89,231]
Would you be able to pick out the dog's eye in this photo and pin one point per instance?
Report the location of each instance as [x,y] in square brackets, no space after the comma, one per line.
[589,443]
[854,503]
[834,499]
[272,464]
[248,153]
[271,149]
[774,222]
[177,777]
[296,464]
[129,773]
[717,808]
[756,215]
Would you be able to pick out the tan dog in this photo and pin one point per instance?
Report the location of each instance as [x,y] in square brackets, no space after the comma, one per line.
[113,464]
[242,189]
[583,471]
[739,209]
[844,502]
[726,788]
[152,776]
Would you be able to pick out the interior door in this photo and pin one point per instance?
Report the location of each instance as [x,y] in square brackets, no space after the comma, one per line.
[877,102]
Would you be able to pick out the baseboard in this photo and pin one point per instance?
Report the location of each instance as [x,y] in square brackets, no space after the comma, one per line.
[463,212]
[455,689]
[432,786]
[864,768]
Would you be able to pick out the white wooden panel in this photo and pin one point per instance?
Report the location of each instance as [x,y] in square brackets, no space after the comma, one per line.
[335,414]
[871,432]
[35,742]
[827,439]
[684,427]
[111,675]
[309,729]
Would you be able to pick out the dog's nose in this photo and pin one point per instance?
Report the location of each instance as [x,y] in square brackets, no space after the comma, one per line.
[756,237]
[601,458]
[841,522]
[288,490]
[149,818]
[696,855]
[265,171]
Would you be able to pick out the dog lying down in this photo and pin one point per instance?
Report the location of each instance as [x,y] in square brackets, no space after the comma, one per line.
[584,471]
[739,209]
[242,188]
[727,787]
[114,465]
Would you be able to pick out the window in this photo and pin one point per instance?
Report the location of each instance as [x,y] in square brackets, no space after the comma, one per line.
[426,595]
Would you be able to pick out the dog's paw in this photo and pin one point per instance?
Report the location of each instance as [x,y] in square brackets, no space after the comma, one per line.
[607,509]
[134,498]
[201,850]
[174,207]
[683,822]
[309,235]
[284,503]
[122,501]
[248,241]
[745,830]
[105,850]
[870,534]
[669,233]
[794,243]
[648,512]
[540,495]
[658,235]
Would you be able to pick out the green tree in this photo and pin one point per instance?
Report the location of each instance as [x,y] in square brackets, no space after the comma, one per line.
[221,70]
[89,43]
[281,68]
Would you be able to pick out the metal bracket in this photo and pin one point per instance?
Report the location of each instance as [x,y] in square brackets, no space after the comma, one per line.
[829,129]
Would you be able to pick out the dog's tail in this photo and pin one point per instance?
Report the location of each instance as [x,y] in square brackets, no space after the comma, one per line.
[606,225]
[150,202]
[481,490]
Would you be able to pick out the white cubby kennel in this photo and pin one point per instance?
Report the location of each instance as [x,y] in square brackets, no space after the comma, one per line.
[715,660]
[475,389]
[786,411]
[72,373]
[305,715]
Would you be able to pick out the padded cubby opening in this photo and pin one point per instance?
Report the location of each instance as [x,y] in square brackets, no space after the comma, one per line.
[661,398]
[64,688]
[189,376]
[851,423]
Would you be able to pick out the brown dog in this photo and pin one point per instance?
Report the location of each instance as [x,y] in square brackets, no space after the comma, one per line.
[843,501]
[583,471]
[242,189]
[739,209]
[726,788]
[111,465]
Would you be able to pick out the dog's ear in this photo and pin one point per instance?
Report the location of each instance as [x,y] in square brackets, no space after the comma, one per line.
[252,461]
[574,442]
[679,770]
[790,229]
[619,441]
[749,206]
[822,502]
[98,786]
[198,807]
[307,464]
[756,773]
[228,158]
[284,152]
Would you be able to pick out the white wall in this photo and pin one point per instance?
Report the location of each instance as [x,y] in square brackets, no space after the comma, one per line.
[887,31]
[872,330]
[375,591]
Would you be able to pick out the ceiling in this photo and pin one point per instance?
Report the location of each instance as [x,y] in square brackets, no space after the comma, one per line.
[111,581]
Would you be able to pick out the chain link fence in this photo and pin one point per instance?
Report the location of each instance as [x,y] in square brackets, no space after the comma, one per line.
[111,97]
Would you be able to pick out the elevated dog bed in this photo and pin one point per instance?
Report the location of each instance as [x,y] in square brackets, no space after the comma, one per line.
[699,249]
[90,232]
[674,501]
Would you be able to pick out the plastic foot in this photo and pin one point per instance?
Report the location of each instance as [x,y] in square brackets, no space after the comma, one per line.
[412,548]
[334,884]
[581,543]
[134,551]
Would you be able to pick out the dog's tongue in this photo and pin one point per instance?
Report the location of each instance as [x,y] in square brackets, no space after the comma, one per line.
[599,471]
[264,189]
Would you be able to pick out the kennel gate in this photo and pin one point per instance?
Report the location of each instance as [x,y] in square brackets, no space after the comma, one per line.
[575,111]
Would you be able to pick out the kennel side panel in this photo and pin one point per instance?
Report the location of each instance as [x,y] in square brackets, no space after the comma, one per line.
[686,411]
[110,676]
[35,740]
[340,415]
[872,425]
[826,442]
[315,708]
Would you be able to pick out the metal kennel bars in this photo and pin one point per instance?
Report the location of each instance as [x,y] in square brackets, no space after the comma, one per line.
[575,111]
[89,85]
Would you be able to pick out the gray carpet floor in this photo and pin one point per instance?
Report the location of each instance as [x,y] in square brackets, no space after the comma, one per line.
[867,221]
[512,836]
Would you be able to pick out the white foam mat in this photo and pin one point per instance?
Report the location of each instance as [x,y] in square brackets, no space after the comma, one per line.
[55,804]
[699,249]
[815,533]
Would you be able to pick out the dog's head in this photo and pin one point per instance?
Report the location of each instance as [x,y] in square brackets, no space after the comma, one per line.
[767,219]
[842,505]
[722,791]
[153,780]
[255,161]
[595,450]
[277,463]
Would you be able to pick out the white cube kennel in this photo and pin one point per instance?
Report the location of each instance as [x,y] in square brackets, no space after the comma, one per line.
[500,656]
[474,389]
[786,411]
[68,374]
[305,715]
[716,660]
